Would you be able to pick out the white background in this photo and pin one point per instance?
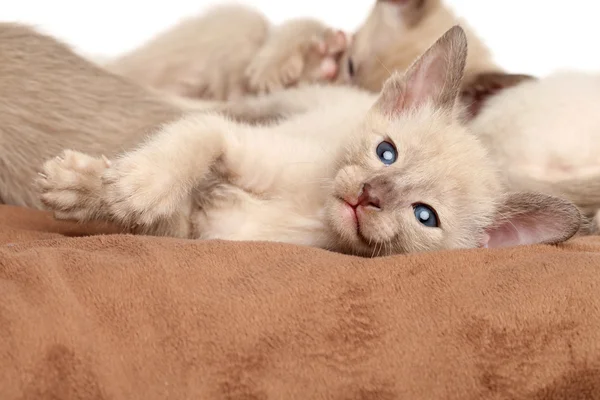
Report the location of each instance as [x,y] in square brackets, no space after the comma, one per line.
[527,36]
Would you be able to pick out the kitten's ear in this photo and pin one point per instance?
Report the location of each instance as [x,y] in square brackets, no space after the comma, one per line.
[434,78]
[532,218]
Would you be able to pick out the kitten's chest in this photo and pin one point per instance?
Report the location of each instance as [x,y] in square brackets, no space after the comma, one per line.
[228,212]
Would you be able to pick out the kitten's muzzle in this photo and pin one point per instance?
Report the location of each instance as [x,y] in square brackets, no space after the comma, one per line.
[366,198]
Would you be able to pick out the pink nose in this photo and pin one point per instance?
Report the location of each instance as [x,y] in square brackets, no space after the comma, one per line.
[367,198]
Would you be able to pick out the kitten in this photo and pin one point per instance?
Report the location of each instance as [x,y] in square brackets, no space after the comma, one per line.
[367,175]
[232,51]
[475,93]
[544,133]
[53,98]
[395,33]
[482,86]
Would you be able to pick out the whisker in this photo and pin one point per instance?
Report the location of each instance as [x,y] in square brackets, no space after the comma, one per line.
[388,251]
[384,66]
[509,221]
[380,248]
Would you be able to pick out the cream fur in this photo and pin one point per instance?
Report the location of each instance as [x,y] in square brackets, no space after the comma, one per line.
[546,133]
[193,59]
[204,176]
[546,128]
[232,51]
[394,34]
[397,32]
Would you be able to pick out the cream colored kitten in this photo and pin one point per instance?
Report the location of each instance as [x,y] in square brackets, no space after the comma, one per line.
[231,51]
[396,32]
[366,175]
[546,133]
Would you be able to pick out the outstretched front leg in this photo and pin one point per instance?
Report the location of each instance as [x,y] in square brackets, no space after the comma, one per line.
[148,189]
[71,186]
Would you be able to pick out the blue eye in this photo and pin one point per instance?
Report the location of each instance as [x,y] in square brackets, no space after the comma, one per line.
[426,215]
[386,153]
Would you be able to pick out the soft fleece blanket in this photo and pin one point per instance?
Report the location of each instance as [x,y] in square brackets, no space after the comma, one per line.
[124,317]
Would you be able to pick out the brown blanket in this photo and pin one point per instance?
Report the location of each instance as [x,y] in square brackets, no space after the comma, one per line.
[124,317]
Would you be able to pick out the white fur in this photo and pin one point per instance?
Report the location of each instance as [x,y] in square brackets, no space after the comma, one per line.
[547,129]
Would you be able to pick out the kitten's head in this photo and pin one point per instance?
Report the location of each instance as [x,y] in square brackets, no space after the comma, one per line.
[394,34]
[414,179]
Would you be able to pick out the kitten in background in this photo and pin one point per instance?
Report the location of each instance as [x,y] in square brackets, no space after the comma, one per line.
[396,32]
[546,133]
[232,51]
[370,174]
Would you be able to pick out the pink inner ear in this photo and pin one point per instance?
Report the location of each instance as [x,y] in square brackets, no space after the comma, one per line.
[522,230]
[485,241]
[427,80]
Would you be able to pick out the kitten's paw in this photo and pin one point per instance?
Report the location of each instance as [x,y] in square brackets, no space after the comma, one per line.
[328,50]
[70,185]
[267,74]
[332,43]
[137,192]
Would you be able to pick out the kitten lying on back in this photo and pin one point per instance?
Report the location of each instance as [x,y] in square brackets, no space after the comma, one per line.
[396,32]
[368,175]
[232,51]
[540,133]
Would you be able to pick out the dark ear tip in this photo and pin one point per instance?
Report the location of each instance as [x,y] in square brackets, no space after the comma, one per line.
[456,38]
[567,212]
[573,219]
[457,32]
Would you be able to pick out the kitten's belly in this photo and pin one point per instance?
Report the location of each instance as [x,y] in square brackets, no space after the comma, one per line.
[548,130]
[248,218]
[554,155]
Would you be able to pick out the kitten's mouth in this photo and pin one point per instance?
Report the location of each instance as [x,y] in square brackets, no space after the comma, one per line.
[352,210]
[350,214]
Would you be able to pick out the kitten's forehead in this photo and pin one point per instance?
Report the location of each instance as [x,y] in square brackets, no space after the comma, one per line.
[426,131]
